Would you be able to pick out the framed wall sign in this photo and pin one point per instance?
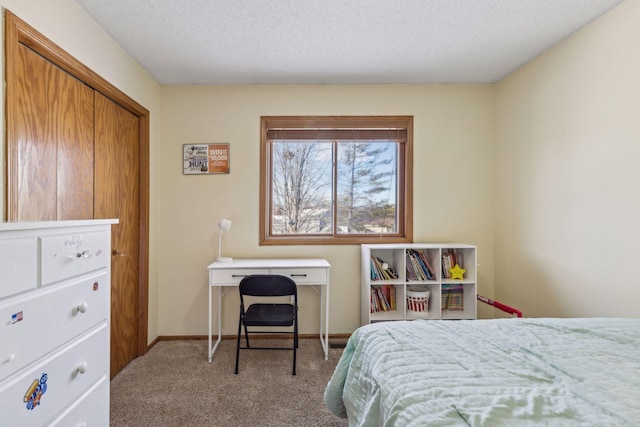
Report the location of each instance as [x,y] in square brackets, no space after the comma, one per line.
[202,159]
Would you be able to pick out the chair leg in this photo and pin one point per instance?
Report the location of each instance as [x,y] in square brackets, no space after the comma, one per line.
[294,360]
[238,344]
[246,335]
[295,343]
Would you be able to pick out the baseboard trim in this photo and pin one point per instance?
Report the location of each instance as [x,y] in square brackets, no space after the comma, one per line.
[233,337]
[151,344]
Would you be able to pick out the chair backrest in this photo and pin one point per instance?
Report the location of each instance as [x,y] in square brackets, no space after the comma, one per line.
[268,285]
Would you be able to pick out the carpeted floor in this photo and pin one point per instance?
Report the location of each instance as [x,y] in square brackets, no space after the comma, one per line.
[174,385]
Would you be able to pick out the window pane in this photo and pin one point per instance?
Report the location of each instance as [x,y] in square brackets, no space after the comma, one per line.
[367,187]
[302,185]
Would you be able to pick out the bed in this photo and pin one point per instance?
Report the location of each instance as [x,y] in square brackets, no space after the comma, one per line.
[494,372]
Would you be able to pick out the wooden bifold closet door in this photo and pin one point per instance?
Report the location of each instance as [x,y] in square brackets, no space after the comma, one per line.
[77,148]
[117,188]
[51,152]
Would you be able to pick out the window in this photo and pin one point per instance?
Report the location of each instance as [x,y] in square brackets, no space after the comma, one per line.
[336,180]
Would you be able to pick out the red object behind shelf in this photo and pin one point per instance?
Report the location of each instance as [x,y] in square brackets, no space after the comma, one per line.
[503,307]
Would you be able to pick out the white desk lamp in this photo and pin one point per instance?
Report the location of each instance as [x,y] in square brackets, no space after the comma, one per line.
[224,225]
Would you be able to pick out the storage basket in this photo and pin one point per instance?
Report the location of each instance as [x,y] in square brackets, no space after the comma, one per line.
[418,299]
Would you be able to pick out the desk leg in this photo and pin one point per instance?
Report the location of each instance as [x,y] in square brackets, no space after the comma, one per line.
[323,295]
[219,319]
[326,321]
[219,312]
[209,353]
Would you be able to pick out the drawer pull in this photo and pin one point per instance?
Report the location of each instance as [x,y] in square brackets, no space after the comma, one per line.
[84,254]
[8,359]
[298,275]
[239,275]
[80,308]
[82,368]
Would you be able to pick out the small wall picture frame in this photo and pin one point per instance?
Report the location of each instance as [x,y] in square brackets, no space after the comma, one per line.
[205,159]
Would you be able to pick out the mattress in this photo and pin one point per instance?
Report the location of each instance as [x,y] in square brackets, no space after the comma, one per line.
[495,372]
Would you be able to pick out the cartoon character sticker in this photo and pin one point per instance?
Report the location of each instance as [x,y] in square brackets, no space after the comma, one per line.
[36,390]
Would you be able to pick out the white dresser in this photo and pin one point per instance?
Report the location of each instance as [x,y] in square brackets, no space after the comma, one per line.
[54,323]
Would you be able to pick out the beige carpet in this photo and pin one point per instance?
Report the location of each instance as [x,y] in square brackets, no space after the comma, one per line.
[174,385]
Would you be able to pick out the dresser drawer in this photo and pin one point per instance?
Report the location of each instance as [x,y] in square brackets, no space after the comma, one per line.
[33,325]
[303,275]
[91,409]
[70,255]
[18,264]
[37,395]
[233,275]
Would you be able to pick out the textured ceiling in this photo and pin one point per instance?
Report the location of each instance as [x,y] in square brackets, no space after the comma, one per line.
[338,41]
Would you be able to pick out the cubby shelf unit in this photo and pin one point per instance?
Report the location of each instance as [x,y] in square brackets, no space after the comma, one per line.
[395,256]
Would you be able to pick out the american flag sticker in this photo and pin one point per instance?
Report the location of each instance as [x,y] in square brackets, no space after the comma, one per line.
[16,317]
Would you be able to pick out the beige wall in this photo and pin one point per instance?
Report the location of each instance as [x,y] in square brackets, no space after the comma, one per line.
[452,200]
[453,129]
[568,175]
[67,25]
[557,142]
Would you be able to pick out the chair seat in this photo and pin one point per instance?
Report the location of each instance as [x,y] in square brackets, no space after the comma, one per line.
[270,315]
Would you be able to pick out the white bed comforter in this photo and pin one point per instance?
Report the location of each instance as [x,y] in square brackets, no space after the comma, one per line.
[503,372]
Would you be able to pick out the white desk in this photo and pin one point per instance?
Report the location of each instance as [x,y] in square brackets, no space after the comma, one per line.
[312,272]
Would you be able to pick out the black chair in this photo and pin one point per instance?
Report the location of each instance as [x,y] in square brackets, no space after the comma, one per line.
[268,314]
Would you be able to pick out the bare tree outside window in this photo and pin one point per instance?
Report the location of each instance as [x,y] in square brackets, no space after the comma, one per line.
[301,187]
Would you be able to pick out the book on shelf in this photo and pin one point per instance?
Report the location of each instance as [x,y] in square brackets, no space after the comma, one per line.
[390,295]
[428,269]
[418,266]
[449,260]
[452,297]
[375,305]
[379,272]
[384,304]
[383,298]
[414,271]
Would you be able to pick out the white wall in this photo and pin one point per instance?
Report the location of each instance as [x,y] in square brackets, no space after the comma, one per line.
[568,175]
[453,158]
[67,25]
